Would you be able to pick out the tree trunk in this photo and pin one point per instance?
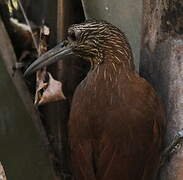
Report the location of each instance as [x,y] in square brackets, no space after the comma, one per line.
[162,65]
[23,142]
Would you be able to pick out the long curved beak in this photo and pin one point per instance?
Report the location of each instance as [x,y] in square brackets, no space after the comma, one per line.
[50,57]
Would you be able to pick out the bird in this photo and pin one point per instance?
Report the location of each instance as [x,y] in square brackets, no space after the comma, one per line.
[117,121]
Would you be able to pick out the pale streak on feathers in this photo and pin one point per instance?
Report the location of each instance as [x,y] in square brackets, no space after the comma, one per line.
[114,67]
[117,59]
[105,74]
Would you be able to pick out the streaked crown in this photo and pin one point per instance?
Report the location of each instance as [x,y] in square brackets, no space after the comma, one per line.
[100,41]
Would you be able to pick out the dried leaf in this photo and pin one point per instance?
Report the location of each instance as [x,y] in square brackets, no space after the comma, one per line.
[45,30]
[2,173]
[41,84]
[42,38]
[50,91]
[44,94]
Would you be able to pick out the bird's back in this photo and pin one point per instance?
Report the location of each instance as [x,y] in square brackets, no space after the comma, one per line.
[119,137]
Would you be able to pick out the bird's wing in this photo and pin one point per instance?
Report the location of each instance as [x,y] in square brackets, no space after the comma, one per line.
[81,160]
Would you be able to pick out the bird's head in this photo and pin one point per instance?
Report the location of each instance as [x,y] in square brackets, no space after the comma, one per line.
[92,40]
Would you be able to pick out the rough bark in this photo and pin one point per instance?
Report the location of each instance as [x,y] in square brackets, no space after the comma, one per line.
[162,64]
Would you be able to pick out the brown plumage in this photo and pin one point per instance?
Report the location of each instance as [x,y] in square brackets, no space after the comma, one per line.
[116,121]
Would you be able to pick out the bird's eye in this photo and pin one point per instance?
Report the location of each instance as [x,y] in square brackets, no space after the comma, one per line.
[72,35]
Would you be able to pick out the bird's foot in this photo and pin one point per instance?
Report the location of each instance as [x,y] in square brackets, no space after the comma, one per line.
[173,148]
